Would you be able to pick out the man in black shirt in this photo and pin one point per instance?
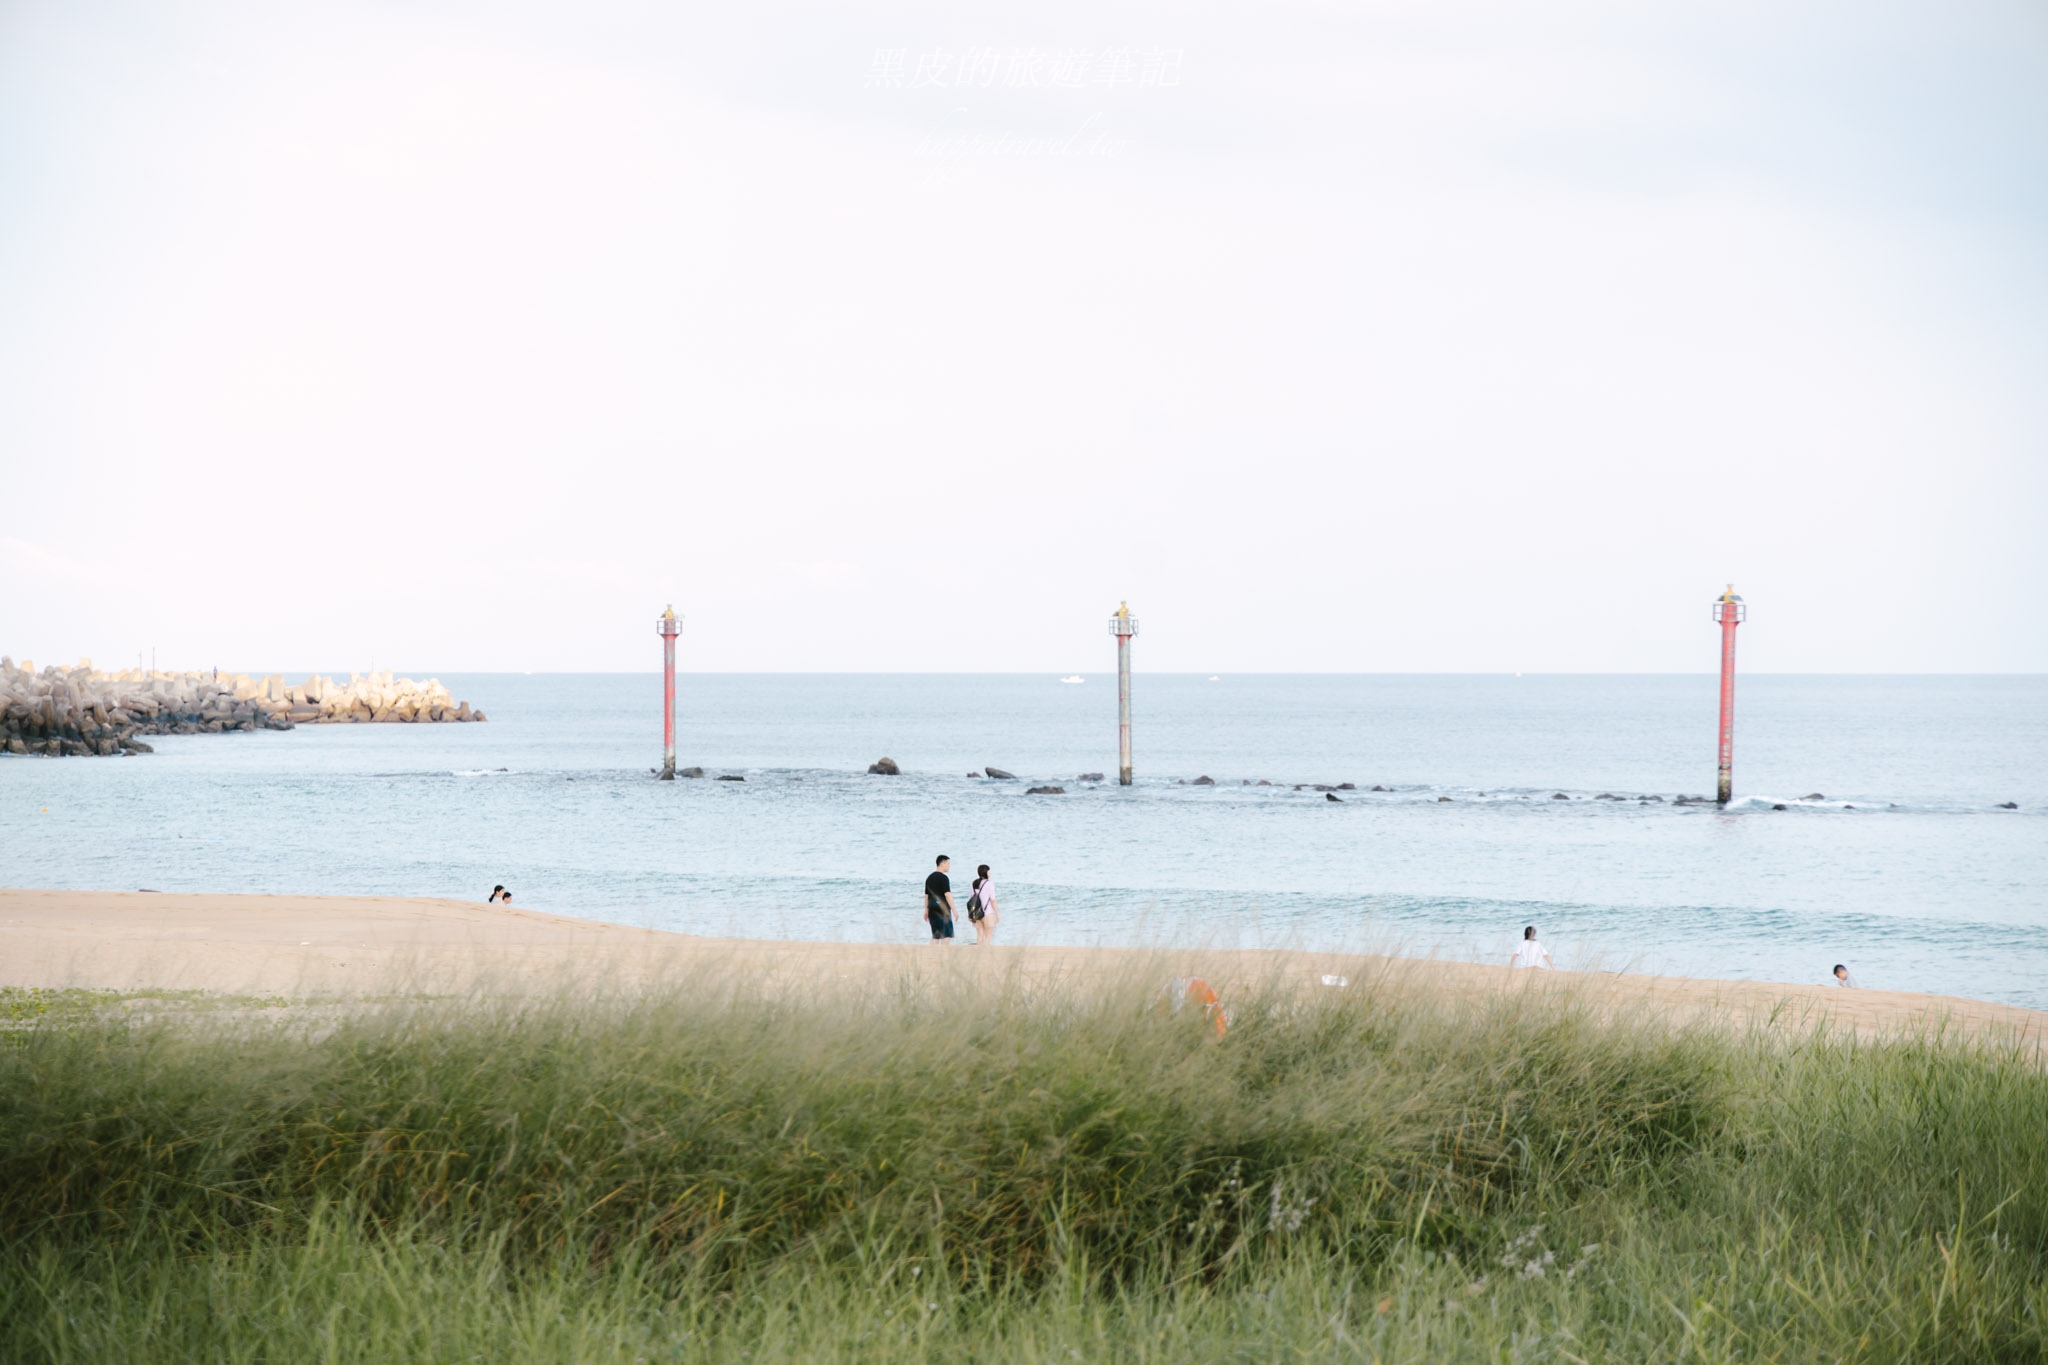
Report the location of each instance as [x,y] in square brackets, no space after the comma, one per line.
[938,901]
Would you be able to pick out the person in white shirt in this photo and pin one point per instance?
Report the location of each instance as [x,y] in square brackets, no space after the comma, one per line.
[981,907]
[1530,953]
[1842,977]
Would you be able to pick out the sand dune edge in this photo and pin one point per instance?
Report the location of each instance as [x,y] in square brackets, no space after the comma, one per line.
[378,946]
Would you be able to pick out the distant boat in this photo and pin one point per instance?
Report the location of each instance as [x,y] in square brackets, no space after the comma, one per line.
[1077,678]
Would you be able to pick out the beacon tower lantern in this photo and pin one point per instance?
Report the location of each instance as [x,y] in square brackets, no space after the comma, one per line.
[1123,625]
[1730,612]
[668,626]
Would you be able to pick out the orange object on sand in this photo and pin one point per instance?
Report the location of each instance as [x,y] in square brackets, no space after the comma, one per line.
[1205,995]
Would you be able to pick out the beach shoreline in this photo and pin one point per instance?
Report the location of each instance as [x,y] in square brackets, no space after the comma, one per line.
[378,947]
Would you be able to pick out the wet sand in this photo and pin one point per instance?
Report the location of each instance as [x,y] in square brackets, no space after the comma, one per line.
[367,947]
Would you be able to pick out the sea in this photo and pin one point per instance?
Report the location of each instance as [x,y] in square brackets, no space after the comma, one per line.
[1898,825]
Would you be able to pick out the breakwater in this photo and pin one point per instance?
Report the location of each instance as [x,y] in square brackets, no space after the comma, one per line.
[82,711]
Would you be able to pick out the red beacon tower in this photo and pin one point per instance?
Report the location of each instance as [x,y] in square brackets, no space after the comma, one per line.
[1730,611]
[668,625]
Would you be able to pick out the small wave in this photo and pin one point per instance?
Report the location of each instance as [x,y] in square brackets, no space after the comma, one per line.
[1077,678]
[478,772]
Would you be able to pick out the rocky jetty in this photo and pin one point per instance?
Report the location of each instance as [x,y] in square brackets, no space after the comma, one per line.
[82,711]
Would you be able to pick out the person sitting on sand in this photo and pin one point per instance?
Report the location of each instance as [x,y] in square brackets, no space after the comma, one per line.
[981,907]
[1530,953]
[1842,977]
[938,901]
[499,893]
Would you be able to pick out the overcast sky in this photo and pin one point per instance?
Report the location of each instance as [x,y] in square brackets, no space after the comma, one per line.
[1348,337]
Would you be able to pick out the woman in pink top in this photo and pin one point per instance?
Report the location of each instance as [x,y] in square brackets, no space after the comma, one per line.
[981,907]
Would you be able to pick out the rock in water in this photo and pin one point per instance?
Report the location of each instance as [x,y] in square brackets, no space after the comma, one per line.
[689,772]
[1046,791]
[1203,781]
[886,767]
[2008,805]
[999,774]
[1332,796]
[1089,777]
[1813,796]
[729,777]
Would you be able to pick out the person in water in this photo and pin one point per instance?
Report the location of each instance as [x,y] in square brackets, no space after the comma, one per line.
[938,901]
[981,907]
[499,893]
[1530,953]
[1842,977]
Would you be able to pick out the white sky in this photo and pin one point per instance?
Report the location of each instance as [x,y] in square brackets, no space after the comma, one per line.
[1392,337]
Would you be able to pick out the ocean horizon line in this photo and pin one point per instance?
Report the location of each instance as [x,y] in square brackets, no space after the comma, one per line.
[1057,674]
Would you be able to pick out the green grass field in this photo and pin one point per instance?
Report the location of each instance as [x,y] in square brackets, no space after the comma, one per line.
[1055,1175]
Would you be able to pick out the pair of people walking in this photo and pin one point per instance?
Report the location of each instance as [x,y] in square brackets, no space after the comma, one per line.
[939,908]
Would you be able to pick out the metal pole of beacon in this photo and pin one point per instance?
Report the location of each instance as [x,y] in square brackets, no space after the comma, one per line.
[1123,625]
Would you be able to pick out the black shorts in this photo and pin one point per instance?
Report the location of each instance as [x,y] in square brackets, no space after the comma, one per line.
[942,927]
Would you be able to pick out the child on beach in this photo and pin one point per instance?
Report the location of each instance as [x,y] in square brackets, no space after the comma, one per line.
[1530,953]
[1842,977]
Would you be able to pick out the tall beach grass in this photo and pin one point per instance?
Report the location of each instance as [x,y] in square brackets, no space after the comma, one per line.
[1038,1172]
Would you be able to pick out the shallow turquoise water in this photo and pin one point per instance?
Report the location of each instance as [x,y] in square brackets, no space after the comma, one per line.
[1908,870]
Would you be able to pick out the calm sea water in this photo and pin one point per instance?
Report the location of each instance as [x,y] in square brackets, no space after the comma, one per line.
[1908,870]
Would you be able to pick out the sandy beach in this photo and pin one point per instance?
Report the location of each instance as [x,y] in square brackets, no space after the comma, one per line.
[379,946]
